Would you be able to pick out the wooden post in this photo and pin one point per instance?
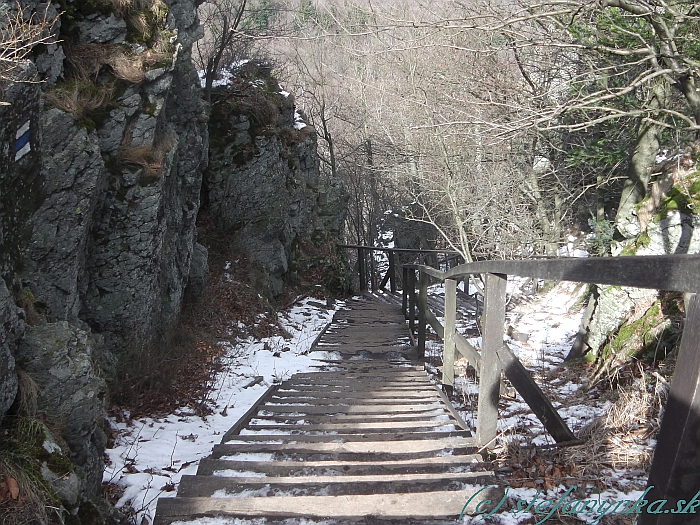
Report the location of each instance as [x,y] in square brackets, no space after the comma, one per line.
[675,471]
[492,341]
[411,300]
[404,291]
[392,271]
[448,354]
[361,268]
[422,307]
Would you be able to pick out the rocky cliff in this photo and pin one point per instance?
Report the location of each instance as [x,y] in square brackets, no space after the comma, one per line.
[264,187]
[101,170]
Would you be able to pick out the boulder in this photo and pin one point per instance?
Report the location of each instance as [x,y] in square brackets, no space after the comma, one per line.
[11,331]
[59,358]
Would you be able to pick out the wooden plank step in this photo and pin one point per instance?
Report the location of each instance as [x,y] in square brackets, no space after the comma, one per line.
[364,372]
[354,394]
[206,486]
[344,401]
[368,378]
[437,413]
[363,447]
[356,389]
[431,505]
[369,436]
[356,409]
[356,457]
[355,426]
[207,467]
[367,428]
[359,365]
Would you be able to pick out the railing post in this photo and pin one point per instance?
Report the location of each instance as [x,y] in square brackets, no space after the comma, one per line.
[392,272]
[448,354]
[361,268]
[411,285]
[422,307]
[675,471]
[492,341]
[404,291]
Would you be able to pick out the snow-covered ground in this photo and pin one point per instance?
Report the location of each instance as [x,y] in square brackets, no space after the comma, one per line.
[150,455]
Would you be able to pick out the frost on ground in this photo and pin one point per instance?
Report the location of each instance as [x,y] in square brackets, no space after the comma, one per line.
[150,455]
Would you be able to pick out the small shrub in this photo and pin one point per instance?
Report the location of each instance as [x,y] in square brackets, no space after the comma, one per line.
[603,231]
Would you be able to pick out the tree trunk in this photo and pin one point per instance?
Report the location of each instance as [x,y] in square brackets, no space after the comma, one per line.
[641,164]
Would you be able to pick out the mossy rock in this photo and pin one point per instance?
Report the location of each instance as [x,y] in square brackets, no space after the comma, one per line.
[647,338]
[684,197]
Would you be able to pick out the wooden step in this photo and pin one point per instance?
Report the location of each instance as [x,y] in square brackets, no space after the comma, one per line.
[346,409]
[397,389]
[365,447]
[343,418]
[208,467]
[344,381]
[351,401]
[376,426]
[206,486]
[356,394]
[339,438]
[440,504]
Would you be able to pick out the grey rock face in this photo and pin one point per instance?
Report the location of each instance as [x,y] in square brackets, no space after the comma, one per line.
[101,29]
[676,233]
[20,196]
[199,274]
[268,191]
[11,332]
[73,174]
[58,357]
[20,162]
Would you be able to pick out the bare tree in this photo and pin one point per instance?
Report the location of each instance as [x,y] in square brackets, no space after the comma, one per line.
[20,33]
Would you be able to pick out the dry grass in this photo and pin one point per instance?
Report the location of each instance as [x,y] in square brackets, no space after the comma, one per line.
[87,61]
[79,97]
[149,159]
[27,395]
[618,440]
[127,68]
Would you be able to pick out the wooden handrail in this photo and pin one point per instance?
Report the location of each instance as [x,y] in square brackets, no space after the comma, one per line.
[679,273]
[674,475]
[390,276]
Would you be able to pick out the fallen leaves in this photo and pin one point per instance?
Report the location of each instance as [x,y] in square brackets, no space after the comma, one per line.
[9,489]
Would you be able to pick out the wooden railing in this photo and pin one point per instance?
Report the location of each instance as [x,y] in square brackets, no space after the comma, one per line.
[370,276]
[675,472]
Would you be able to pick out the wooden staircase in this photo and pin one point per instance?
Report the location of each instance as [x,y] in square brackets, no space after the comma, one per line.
[361,439]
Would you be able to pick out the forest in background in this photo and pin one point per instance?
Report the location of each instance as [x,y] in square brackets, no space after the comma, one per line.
[505,125]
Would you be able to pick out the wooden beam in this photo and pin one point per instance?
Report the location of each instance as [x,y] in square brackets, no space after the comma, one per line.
[422,308]
[361,268]
[462,346]
[245,418]
[404,291]
[494,319]
[411,301]
[658,272]
[448,353]
[521,379]
[675,471]
[392,271]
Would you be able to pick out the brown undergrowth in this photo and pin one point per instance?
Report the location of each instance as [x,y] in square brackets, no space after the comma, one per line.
[616,441]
